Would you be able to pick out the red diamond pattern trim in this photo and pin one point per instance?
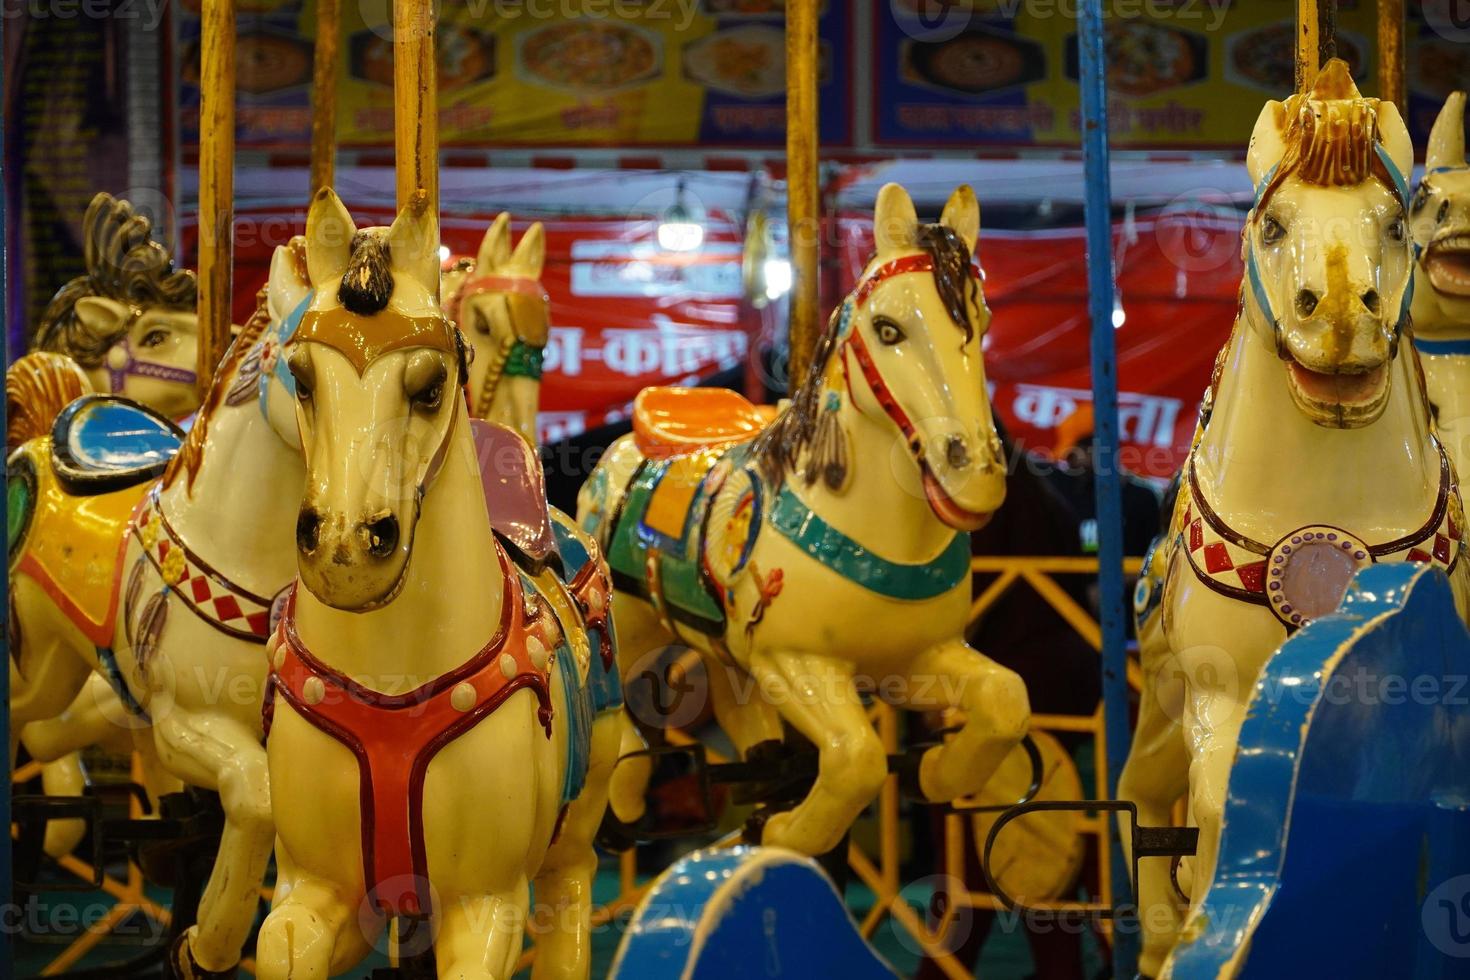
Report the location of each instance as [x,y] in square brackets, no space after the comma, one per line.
[228,608]
[1419,555]
[199,585]
[1196,535]
[1217,558]
[1442,549]
[1253,576]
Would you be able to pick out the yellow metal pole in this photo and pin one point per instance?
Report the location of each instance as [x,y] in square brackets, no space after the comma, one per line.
[216,182]
[324,95]
[801,182]
[415,98]
[1316,37]
[1391,52]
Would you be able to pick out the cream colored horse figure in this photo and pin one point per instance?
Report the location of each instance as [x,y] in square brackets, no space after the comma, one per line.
[130,320]
[497,300]
[165,588]
[1318,457]
[443,722]
[830,552]
[1440,221]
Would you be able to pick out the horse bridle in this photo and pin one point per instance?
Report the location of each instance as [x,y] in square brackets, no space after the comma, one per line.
[134,366]
[852,341]
[1253,271]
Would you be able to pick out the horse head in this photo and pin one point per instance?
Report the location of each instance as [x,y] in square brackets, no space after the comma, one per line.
[130,319]
[905,346]
[1440,219]
[1327,249]
[498,301]
[376,366]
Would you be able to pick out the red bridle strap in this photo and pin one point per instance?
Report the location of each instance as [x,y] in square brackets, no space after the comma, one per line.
[500,285]
[922,262]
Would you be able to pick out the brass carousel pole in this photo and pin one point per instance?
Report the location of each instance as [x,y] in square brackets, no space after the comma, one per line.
[1316,39]
[216,182]
[324,94]
[1391,52]
[802,187]
[415,98]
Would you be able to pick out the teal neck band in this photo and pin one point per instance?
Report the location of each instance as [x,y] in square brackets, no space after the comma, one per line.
[804,528]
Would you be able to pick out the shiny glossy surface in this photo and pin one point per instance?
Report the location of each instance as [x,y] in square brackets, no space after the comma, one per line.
[669,421]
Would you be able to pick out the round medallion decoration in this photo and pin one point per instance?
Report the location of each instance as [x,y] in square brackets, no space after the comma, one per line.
[1309,570]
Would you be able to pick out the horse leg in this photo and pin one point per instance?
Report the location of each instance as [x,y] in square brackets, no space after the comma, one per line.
[92,718]
[639,632]
[562,923]
[739,710]
[996,709]
[311,933]
[816,694]
[217,752]
[480,936]
[1154,776]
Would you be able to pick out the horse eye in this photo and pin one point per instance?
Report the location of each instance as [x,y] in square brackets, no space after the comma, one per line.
[431,395]
[154,338]
[1444,211]
[1272,231]
[1421,198]
[1396,231]
[303,382]
[889,333]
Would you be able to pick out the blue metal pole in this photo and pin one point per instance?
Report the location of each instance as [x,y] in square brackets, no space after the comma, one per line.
[1107,478]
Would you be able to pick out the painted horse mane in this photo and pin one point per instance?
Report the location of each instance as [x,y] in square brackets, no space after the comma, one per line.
[799,428]
[124,264]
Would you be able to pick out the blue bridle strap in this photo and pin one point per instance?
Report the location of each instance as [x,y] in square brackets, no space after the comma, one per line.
[283,332]
[1253,272]
[1442,348]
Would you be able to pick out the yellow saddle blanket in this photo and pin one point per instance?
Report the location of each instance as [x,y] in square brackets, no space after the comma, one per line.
[71,546]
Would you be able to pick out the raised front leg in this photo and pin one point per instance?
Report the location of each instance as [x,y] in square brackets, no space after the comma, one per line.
[219,753]
[996,709]
[817,696]
[312,933]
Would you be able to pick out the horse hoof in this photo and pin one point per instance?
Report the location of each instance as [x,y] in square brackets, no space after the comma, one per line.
[183,966]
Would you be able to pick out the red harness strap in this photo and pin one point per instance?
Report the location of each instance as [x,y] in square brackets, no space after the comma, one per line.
[395,737]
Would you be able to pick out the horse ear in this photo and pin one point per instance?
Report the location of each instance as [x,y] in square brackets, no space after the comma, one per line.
[414,242]
[329,231]
[1266,147]
[284,288]
[100,315]
[962,215]
[530,255]
[895,222]
[1447,138]
[1396,140]
[495,247]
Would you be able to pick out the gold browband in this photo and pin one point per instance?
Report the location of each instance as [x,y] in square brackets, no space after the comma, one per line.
[364,339]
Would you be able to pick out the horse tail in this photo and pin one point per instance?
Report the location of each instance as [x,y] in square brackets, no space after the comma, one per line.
[37,387]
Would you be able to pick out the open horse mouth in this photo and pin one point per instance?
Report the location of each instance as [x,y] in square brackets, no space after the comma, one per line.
[948,511]
[1341,400]
[1447,261]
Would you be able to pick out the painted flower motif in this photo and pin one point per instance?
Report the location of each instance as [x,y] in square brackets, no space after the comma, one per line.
[270,349]
[174,568]
[148,530]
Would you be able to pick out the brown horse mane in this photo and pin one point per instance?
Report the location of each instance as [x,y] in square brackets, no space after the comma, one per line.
[800,428]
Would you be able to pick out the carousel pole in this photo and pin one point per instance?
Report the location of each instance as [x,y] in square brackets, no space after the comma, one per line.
[1107,478]
[415,100]
[802,184]
[1316,39]
[1391,52]
[324,95]
[216,182]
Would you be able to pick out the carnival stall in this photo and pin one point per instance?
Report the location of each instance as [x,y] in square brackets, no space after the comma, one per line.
[330,655]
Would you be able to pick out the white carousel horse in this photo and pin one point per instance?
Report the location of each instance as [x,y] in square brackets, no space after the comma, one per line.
[828,548]
[130,320]
[1440,221]
[127,581]
[443,719]
[497,300]
[1318,457]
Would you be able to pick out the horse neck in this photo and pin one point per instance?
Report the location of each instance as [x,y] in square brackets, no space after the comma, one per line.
[239,515]
[1267,469]
[882,504]
[449,606]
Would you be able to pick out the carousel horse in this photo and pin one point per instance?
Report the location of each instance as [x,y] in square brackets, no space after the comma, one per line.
[130,320]
[1439,218]
[166,588]
[1318,457]
[497,300]
[808,556]
[446,626]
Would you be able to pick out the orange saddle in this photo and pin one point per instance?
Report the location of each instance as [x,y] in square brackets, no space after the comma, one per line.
[673,421]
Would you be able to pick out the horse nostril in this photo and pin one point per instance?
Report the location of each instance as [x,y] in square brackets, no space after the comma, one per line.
[308,530]
[1306,302]
[382,536]
[1372,301]
[956,453]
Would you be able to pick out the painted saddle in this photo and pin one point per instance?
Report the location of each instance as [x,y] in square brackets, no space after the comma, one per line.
[555,616]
